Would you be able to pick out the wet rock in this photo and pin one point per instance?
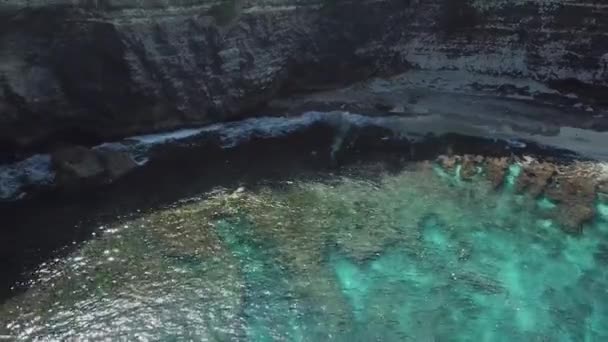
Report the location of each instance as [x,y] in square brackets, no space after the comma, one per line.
[362,244]
[496,169]
[83,65]
[115,163]
[78,164]
[535,177]
[574,216]
[447,162]
[480,283]
[163,254]
[335,314]
[569,188]
[469,167]
[574,189]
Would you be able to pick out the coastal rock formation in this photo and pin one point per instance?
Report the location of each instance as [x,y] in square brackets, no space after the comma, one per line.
[470,166]
[77,164]
[85,71]
[571,188]
[496,170]
[535,177]
[575,188]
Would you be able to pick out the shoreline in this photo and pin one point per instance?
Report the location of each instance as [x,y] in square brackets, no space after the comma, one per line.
[25,178]
[63,219]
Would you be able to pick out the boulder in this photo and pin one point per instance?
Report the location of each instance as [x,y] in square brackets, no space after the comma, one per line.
[115,163]
[75,165]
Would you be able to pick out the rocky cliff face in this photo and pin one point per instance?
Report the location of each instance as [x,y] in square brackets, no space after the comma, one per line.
[89,70]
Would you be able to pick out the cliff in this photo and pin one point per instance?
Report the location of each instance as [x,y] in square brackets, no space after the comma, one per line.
[87,71]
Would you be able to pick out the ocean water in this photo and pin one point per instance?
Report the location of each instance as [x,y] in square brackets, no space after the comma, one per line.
[415,255]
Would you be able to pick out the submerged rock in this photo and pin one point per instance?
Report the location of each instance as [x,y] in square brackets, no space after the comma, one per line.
[496,170]
[535,177]
[73,164]
[387,256]
[470,166]
[447,162]
[115,163]
[166,273]
[570,187]
[574,189]
[79,165]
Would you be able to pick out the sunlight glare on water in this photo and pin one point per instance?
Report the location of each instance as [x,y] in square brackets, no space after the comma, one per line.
[412,256]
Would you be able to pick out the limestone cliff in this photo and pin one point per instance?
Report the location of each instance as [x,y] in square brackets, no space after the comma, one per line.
[89,70]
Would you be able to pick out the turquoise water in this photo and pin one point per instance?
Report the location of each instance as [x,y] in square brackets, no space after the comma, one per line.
[415,256]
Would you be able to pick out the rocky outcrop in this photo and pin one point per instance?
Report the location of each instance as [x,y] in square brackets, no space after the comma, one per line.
[470,166]
[89,70]
[113,68]
[78,165]
[496,170]
[535,177]
[571,188]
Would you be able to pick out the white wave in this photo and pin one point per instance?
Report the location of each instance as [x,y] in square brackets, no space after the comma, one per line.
[162,138]
[35,170]
[234,133]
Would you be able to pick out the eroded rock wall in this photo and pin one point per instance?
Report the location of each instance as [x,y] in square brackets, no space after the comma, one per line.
[85,71]
[553,39]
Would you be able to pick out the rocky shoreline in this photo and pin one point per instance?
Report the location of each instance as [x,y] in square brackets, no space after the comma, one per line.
[305,208]
[85,72]
[409,106]
[79,168]
[157,170]
[116,106]
[234,258]
[569,191]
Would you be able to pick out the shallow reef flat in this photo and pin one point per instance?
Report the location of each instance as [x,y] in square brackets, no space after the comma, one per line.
[458,249]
